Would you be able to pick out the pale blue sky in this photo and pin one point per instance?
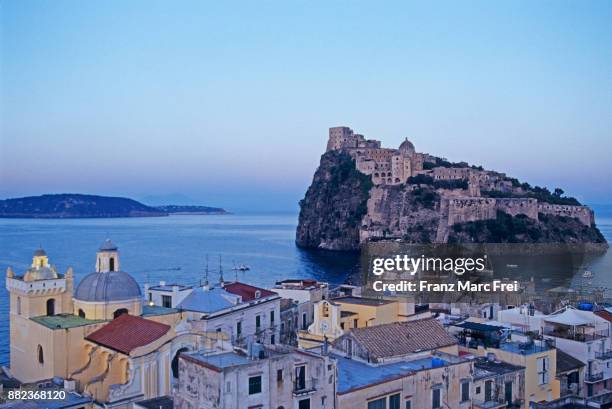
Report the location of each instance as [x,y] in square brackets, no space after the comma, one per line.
[229,102]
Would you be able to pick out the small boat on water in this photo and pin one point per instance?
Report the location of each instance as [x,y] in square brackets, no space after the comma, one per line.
[512,265]
[241,267]
[587,274]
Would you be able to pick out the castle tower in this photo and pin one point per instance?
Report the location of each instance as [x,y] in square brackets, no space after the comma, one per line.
[339,137]
[36,296]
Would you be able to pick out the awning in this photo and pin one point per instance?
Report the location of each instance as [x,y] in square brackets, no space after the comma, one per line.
[574,317]
[476,326]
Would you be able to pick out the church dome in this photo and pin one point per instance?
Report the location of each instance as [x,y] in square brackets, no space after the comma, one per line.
[407,146]
[108,282]
[107,286]
[40,252]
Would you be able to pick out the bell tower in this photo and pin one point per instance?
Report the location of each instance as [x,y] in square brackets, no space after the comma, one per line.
[107,258]
[36,296]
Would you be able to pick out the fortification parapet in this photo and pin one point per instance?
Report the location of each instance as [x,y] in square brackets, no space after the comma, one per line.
[582,213]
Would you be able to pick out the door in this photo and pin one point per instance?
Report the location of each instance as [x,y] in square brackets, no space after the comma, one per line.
[51,306]
[488,390]
[508,393]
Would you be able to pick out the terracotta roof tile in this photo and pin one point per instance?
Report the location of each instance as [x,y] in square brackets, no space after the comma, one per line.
[401,338]
[605,315]
[127,332]
[247,292]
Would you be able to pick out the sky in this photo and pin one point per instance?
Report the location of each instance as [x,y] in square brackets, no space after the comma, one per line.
[229,103]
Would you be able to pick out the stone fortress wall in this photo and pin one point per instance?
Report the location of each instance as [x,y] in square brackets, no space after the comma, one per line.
[582,213]
[394,166]
[471,209]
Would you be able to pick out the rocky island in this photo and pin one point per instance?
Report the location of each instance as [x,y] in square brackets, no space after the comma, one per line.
[363,192]
[70,205]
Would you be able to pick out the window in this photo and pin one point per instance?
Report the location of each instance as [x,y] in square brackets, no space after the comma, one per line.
[228,387]
[41,355]
[120,312]
[378,403]
[300,377]
[478,390]
[254,384]
[394,401]
[465,391]
[355,323]
[543,365]
[342,325]
[112,264]
[167,301]
[257,322]
[349,348]
[279,375]
[271,318]
[272,339]
[239,329]
[150,296]
[304,325]
[435,398]
[304,404]
[408,404]
[81,313]
[18,305]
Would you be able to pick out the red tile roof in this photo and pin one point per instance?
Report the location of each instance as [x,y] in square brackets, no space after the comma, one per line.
[247,292]
[400,338]
[127,332]
[605,315]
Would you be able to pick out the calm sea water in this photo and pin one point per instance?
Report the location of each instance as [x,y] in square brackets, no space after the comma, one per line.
[174,249]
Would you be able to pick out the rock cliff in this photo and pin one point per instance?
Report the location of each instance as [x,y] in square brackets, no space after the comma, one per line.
[334,205]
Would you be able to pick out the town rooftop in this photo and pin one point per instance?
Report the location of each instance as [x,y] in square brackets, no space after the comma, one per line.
[354,374]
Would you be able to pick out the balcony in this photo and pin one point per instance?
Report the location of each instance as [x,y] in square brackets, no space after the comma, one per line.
[575,336]
[494,403]
[603,356]
[594,377]
[304,387]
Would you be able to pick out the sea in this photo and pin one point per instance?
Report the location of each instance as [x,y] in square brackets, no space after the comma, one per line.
[178,249]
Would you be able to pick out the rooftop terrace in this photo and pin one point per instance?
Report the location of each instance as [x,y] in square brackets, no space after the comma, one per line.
[353,374]
[362,300]
[63,321]
[221,361]
[152,310]
[525,348]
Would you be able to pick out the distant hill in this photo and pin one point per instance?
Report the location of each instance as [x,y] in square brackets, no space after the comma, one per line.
[70,205]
